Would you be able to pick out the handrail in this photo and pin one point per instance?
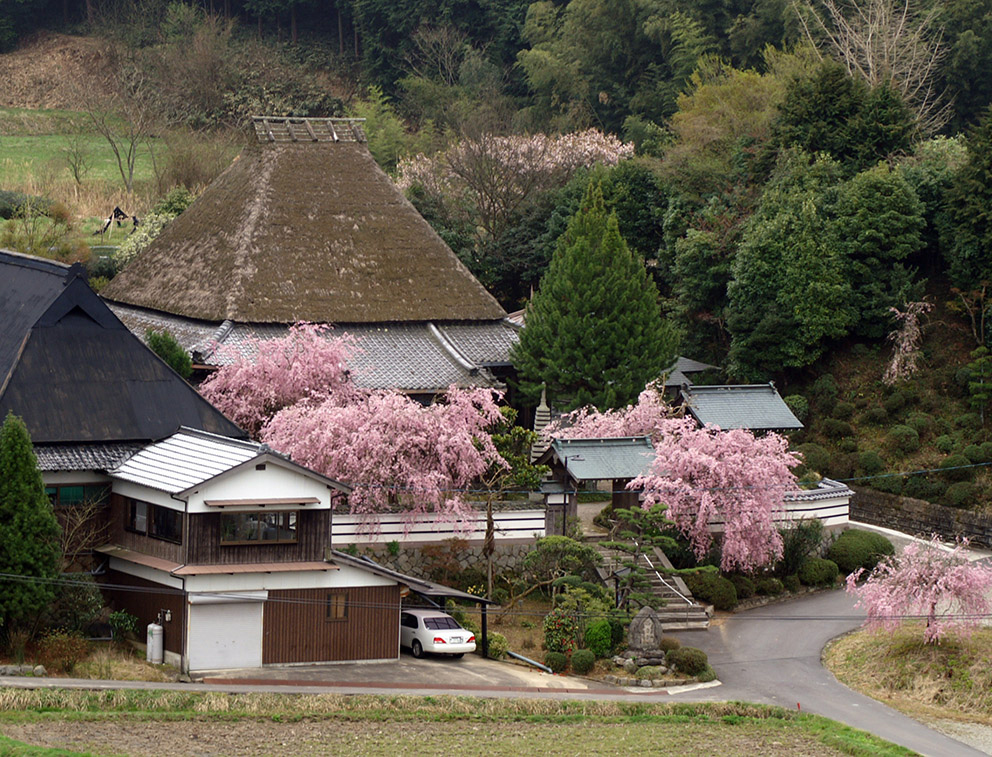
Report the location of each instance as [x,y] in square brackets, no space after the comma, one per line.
[647,559]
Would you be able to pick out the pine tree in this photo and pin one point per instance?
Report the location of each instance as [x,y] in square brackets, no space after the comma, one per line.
[594,331]
[29,532]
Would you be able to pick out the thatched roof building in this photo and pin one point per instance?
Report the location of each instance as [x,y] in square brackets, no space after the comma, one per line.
[304,226]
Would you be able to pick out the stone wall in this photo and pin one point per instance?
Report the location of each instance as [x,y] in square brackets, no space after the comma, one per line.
[916,516]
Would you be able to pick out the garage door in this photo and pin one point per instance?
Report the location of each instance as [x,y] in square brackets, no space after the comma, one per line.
[225,635]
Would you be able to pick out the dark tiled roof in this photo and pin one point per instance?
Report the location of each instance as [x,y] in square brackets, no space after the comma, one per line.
[750,406]
[303,231]
[678,372]
[77,374]
[601,459]
[483,343]
[84,457]
[190,333]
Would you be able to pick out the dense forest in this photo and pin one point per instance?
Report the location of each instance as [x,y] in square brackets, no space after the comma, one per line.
[806,183]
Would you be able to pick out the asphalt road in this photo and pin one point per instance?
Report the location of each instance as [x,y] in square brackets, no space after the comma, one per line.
[772,655]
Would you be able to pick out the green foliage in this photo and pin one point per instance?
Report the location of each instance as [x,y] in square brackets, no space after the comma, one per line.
[816,571]
[594,330]
[870,462]
[921,422]
[649,672]
[798,405]
[961,494]
[388,138]
[583,661]
[14,204]
[743,585]
[887,484]
[975,454]
[62,650]
[688,660]
[800,540]
[122,623]
[557,556]
[843,410]
[498,645]
[877,415]
[960,463]
[599,638]
[980,381]
[815,457]
[903,438]
[896,402]
[969,247]
[151,226]
[856,548]
[29,533]
[560,631]
[713,589]
[836,429]
[164,344]
[772,587]
[668,643]
[922,486]
[557,661]
[77,603]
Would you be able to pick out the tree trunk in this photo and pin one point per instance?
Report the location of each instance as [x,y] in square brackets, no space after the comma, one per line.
[292,23]
[340,33]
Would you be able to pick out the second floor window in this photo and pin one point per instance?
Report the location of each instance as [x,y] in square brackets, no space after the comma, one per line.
[258,528]
[155,521]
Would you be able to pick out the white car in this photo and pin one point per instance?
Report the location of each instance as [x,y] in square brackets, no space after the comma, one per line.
[434,631]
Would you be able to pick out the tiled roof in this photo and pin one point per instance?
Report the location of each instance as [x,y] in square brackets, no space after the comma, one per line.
[750,406]
[190,333]
[185,459]
[678,372]
[484,343]
[826,489]
[80,457]
[600,459]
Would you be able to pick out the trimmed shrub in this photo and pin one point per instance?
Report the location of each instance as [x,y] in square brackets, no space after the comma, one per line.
[498,645]
[870,462]
[557,661]
[616,631]
[707,675]
[944,443]
[798,404]
[843,411]
[903,438]
[791,583]
[961,494]
[923,487]
[968,420]
[164,344]
[974,454]
[817,571]
[986,448]
[771,587]
[743,585]
[688,660]
[815,457]
[847,445]
[895,402]
[887,484]
[599,638]
[920,422]
[859,549]
[583,661]
[959,462]
[668,643]
[876,415]
[836,429]
[713,589]
[843,465]
[824,393]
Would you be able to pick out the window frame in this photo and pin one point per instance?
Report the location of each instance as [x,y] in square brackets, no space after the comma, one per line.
[290,523]
[336,605]
[150,530]
[54,494]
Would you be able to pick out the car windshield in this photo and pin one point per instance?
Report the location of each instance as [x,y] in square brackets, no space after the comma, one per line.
[440,623]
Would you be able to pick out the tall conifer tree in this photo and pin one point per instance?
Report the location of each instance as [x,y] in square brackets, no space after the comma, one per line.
[29,532]
[594,332]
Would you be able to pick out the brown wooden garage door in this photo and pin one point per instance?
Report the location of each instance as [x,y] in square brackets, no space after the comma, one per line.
[306,625]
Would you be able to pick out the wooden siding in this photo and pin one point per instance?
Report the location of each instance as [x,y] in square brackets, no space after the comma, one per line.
[119,534]
[313,532]
[147,604]
[295,628]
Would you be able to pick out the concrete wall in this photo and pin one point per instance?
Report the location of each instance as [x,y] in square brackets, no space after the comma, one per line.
[918,517]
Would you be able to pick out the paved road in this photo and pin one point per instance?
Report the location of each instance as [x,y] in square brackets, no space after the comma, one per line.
[772,655]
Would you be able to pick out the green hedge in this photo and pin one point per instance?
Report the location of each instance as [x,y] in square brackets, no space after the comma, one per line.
[816,571]
[599,638]
[557,661]
[688,660]
[856,548]
[713,589]
[583,661]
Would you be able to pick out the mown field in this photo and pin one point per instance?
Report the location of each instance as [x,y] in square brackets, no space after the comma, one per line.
[145,723]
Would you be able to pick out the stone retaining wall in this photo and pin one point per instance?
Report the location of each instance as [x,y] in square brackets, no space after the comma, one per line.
[917,516]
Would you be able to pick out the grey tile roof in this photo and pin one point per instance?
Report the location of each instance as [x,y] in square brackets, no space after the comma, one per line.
[83,457]
[598,459]
[678,372]
[826,489]
[750,406]
[190,333]
[483,343]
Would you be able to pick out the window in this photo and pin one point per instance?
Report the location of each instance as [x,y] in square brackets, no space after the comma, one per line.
[258,528]
[155,521]
[408,620]
[78,494]
[337,607]
[441,623]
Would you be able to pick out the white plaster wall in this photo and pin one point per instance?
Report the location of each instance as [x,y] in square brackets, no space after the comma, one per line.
[346,576]
[275,482]
[511,524]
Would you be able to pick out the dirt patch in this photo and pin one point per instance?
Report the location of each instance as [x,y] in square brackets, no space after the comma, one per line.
[336,736]
[50,70]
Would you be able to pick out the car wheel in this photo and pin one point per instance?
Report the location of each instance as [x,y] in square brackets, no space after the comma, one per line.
[458,656]
[417,649]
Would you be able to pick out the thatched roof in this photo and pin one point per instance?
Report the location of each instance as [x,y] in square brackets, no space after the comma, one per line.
[303,231]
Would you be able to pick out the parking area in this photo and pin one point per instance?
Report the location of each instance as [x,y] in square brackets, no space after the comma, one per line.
[469,672]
